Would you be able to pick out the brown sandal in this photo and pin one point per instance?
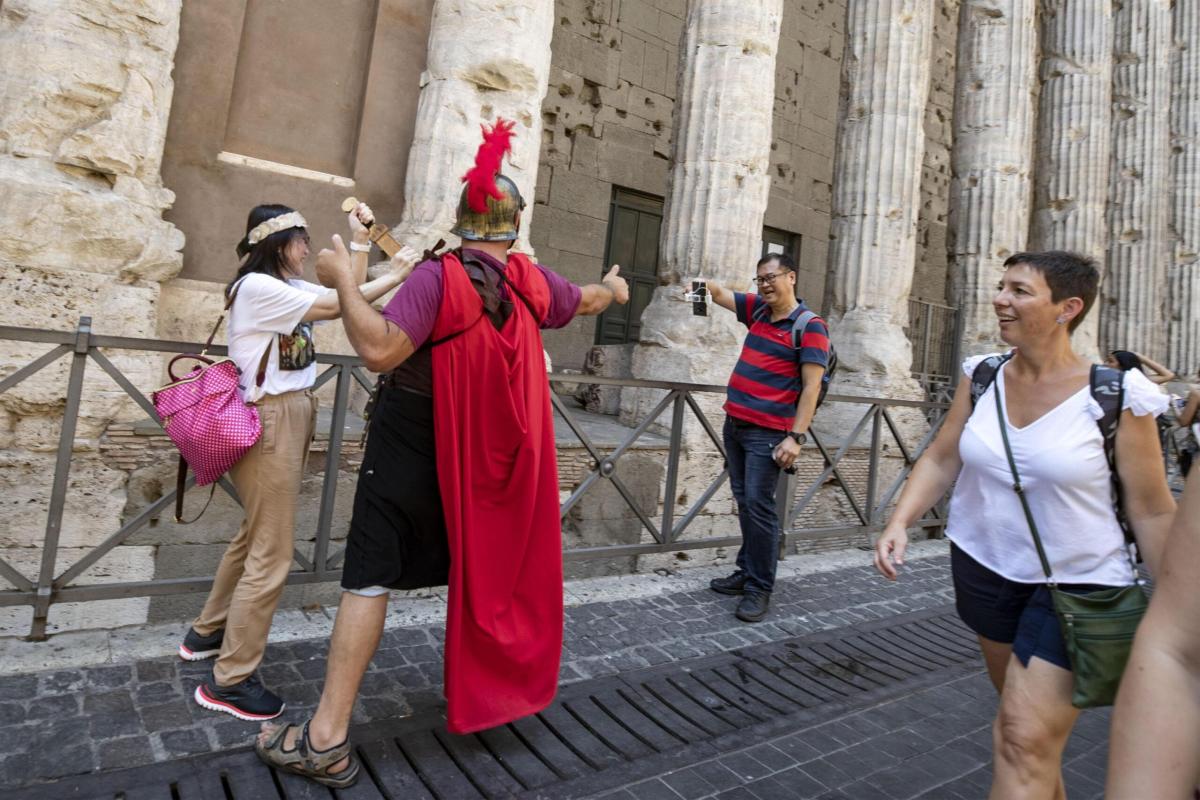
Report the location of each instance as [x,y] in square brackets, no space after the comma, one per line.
[306,760]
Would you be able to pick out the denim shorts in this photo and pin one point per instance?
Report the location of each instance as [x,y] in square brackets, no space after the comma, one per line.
[1020,614]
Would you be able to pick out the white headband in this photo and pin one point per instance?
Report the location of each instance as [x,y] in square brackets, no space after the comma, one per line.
[262,230]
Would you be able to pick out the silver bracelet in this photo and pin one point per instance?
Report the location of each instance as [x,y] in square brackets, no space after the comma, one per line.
[360,248]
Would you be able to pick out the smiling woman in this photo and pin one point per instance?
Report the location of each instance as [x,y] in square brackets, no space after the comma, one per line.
[1029,413]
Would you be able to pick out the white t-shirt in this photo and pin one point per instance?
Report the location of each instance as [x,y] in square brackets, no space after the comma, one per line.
[1060,458]
[267,311]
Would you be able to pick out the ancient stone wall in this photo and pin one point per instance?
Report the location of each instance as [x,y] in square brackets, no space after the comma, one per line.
[931,275]
[85,90]
[607,122]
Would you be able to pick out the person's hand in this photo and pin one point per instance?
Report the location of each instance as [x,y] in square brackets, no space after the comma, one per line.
[617,284]
[889,550]
[404,261]
[361,218]
[333,264]
[786,452]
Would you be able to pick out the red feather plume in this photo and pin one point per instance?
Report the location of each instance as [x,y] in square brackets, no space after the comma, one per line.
[481,179]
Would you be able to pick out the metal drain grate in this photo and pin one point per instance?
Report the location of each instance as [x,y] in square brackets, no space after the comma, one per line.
[597,734]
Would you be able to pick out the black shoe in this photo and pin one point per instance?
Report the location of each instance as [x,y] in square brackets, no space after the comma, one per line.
[734,584]
[197,648]
[753,606]
[248,700]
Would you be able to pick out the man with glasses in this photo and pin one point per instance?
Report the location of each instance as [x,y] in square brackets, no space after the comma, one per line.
[769,405]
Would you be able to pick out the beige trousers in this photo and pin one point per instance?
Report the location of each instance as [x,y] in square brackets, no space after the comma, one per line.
[256,563]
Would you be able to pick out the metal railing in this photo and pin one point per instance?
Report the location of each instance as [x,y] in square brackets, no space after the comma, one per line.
[664,525]
[934,333]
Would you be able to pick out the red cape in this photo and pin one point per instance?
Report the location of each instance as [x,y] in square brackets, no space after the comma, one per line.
[498,475]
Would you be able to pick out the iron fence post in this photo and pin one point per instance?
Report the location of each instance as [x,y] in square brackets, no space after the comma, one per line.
[785,490]
[62,473]
[668,517]
[926,336]
[873,467]
[341,399]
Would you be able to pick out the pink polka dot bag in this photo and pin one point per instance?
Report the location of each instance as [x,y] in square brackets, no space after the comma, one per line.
[205,416]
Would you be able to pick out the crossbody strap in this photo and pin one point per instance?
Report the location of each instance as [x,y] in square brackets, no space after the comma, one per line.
[1017,487]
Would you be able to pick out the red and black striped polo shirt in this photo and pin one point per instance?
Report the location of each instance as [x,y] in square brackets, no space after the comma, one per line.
[765,385]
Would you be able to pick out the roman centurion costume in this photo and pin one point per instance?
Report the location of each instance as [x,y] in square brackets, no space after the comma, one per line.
[496,537]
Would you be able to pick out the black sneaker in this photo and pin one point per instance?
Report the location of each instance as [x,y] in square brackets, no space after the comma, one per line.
[248,700]
[753,606]
[734,584]
[197,648]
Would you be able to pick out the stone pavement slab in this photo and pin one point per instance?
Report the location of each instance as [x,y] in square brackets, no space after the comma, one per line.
[72,721]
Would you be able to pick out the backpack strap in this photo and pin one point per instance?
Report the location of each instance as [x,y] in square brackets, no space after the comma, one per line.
[1108,390]
[984,375]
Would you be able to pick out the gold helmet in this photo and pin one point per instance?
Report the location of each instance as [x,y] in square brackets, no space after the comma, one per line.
[490,205]
[499,222]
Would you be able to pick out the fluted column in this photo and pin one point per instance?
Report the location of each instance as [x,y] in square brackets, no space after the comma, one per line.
[486,59]
[1074,137]
[1134,292]
[992,190]
[1184,267]
[876,190]
[719,185]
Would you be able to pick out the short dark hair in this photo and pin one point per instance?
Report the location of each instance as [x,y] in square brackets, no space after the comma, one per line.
[1067,275]
[783,259]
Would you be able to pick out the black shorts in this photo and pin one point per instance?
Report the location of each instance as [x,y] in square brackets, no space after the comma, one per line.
[1020,614]
[397,531]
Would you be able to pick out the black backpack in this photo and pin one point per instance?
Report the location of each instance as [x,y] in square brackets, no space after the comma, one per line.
[1108,390]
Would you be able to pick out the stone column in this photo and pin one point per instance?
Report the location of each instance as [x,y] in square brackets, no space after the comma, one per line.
[719,185]
[486,59]
[1183,350]
[993,155]
[1134,293]
[1074,137]
[876,186]
[84,100]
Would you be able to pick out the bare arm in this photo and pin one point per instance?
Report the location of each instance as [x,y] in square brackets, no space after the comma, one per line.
[1161,373]
[1188,415]
[788,450]
[934,473]
[595,297]
[381,345]
[329,305]
[1148,502]
[1156,720]
[721,296]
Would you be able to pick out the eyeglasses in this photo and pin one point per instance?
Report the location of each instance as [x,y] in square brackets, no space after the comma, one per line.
[763,280]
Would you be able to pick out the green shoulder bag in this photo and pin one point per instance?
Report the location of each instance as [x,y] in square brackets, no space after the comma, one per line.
[1097,627]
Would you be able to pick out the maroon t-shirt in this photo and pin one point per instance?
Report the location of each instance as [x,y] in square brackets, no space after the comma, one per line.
[414,309]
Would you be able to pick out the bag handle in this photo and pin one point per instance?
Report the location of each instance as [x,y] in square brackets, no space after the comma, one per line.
[180,484]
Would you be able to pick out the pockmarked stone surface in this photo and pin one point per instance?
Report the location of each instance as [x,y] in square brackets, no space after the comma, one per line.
[993,156]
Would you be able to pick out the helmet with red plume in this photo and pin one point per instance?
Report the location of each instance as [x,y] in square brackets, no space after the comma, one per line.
[490,205]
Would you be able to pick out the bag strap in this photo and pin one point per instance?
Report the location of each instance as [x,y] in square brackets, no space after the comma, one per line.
[984,375]
[228,304]
[180,485]
[1108,390]
[1020,490]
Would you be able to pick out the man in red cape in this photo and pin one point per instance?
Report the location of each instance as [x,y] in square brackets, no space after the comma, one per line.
[459,482]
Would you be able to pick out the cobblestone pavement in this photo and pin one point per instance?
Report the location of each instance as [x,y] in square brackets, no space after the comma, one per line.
[933,744]
[73,721]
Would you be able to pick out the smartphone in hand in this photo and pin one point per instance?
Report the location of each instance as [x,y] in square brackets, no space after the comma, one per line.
[698,297]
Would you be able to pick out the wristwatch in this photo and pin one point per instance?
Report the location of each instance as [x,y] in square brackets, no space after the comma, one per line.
[798,438]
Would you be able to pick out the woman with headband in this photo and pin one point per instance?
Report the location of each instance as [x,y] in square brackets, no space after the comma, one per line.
[270,338]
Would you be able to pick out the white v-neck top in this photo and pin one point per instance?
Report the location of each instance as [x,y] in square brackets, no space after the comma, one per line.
[1060,457]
